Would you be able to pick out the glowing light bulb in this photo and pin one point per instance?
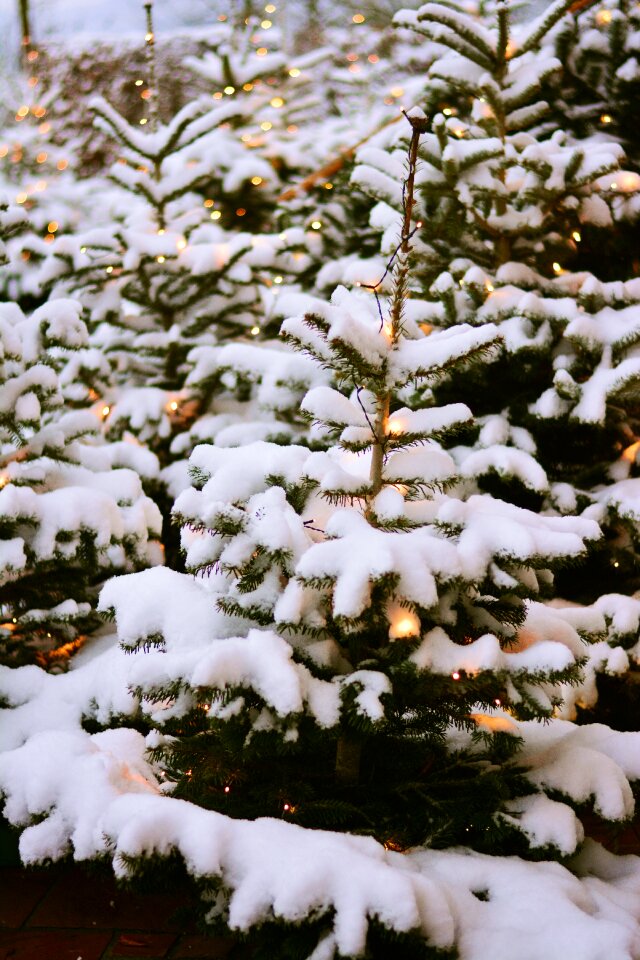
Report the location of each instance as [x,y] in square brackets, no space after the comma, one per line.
[256,181]
[160,259]
[266,125]
[396,92]
[216,215]
[52,226]
[396,426]
[277,279]
[629,454]
[109,269]
[181,243]
[455,675]
[556,267]
[139,83]
[606,118]
[358,18]
[262,52]
[227,789]
[148,37]
[316,224]
[143,121]
[229,90]
[577,236]
[294,72]
[105,410]
[603,17]
[254,331]
[277,102]
[266,24]
[488,286]
[173,405]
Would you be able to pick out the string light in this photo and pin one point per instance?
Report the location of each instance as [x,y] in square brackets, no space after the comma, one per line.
[358,18]
[139,83]
[256,181]
[294,72]
[261,52]
[277,279]
[227,789]
[105,411]
[216,215]
[277,102]
[240,212]
[270,8]
[316,224]
[109,269]
[160,259]
[266,24]
[577,236]
[629,454]
[455,675]
[603,17]
[254,331]
[606,118]
[266,125]
[181,243]
[556,267]
[229,90]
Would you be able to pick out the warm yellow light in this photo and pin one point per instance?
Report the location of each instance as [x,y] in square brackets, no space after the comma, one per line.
[173,405]
[488,286]
[396,426]
[358,18]
[160,259]
[277,102]
[143,121]
[277,279]
[52,226]
[42,157]
[22,111]
[208,203]
[109,269]
[181,243]
[105,410]
[629,454]
[628,181]
[266,125]
[396,91]
[216,215]
[148,37]
[146,94]
[254,331]
[139,83]
[455,675]
[229,90]
[294,72]
[38,111]
[62,164]
[270,8]
[256,181]
[403,623]
[161,232]
[262,51]
[577,236]
[21,198]
[83,249]
[603,17]
[606,118]
[458,132]
[316,224]
[218,95]
[266,24]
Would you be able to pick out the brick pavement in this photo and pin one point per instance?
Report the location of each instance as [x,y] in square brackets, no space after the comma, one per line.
[70,913]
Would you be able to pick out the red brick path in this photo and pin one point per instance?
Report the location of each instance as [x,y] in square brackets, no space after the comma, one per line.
[66,913]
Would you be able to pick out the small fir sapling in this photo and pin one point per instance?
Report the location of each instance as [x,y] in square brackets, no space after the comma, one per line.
[166,277]
[388,611]
[557,406]
[73,509]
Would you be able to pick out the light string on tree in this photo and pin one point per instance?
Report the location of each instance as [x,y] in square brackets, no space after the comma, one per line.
[151,93]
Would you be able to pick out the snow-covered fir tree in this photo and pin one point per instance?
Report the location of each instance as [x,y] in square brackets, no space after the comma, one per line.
[73,509]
